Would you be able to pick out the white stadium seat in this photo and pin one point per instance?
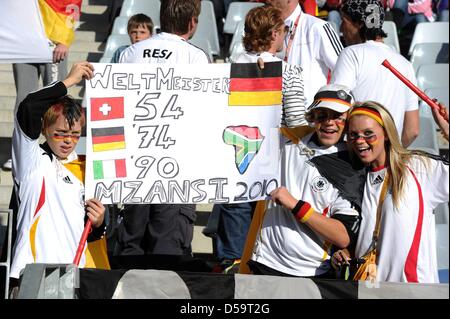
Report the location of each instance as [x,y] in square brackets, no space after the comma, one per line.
[429,32]
[206,37]
[427,139]
[114,41]
[120,25]
[236,13]
[392,38]
[238,35]
[432,76]
[429,53]
[148,7]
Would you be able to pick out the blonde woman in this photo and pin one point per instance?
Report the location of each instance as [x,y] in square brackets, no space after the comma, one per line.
[416,184]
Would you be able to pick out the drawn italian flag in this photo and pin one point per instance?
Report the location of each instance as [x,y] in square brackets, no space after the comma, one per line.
[114,168]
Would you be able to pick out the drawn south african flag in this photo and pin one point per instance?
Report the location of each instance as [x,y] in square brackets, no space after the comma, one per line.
[246,141]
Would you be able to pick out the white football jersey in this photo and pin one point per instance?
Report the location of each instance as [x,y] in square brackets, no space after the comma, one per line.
[284,243]
[407,242]
[164,48]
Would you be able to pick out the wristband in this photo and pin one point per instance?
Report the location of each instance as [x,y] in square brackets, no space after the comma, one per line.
[302,211]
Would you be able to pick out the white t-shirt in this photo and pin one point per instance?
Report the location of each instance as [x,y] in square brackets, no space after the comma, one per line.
[284,243]
[315,48]
[164,48]
[293,95]
[407,242]
[359,68]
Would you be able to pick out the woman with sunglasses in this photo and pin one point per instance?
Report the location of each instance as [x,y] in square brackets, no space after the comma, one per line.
[49,178]
[415,183]
[310,213]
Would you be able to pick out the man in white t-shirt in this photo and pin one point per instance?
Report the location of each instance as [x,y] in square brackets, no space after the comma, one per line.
[359,66]
[310,43]
[163,228]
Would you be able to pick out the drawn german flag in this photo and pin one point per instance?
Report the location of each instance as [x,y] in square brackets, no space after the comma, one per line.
[108,139]
[251,86]
[59,17]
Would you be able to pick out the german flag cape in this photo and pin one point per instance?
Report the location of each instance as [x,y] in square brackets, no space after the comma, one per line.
[59,17]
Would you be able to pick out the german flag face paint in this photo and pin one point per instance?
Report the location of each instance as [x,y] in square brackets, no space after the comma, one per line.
[61,138]
[366,137]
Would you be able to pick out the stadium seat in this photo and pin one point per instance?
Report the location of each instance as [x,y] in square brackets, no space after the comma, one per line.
[392,38]
[440,94]
[5,248]
[237,36]
[427,139]
[429,53]
[429,32]
[148,7]
[237,12]
[442,251]
[236,51]
[114,41]
[431,76]
[441,214]
[105,59]
[206,37]
[120,25]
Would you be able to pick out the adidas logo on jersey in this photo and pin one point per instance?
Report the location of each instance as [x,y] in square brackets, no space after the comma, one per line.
[67,180]
[377,180]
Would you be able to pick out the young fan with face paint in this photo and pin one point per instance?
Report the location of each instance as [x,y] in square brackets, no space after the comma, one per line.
[311,212]
[49,178]
[417,182]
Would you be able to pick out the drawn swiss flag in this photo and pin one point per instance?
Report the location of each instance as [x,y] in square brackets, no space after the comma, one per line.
[106,108]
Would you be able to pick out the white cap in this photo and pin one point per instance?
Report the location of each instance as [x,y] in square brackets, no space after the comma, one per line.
[333,96]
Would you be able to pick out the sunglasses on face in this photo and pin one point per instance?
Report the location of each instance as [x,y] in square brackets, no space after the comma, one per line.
[368,138]
[320,117]
[63,136]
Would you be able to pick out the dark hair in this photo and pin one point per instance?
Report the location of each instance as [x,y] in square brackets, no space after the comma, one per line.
[175,15]
[369,14]
[138,20]
[259,24]
[66,106]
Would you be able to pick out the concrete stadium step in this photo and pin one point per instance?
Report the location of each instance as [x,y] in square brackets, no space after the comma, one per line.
[7,102]
[5,67]
[6,128]
[6,115]
[6,76]
[8,89]
[94,9]
[84,56]
[80,45]
[90,36]
[6,186]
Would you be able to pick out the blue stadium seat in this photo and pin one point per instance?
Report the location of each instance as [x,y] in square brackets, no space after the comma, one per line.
[431,76]
[148,7]
[206,36]
[429,32]
[427,139]
[392,38]
[429,53]
[237,12]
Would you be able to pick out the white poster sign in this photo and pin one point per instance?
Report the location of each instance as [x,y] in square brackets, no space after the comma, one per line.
[170,134]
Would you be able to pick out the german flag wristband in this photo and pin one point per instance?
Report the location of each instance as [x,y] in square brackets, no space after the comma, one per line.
[302,211]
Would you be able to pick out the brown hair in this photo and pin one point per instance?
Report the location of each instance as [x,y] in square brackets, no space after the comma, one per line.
[66,106]
[175,15]
[138,20]
[260,22]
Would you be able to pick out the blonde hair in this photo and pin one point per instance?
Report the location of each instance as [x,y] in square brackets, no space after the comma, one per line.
[397,156]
